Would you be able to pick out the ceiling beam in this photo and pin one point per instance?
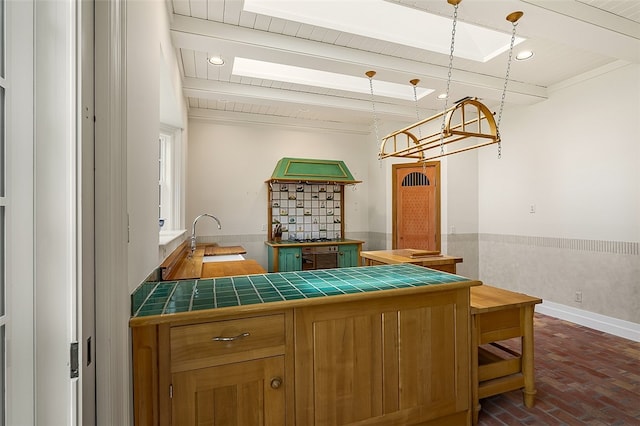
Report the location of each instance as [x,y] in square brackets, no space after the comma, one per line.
[218,90]
[209,36]
[243,118]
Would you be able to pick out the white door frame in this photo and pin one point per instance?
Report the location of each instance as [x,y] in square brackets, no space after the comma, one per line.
[86,224]
[113,352]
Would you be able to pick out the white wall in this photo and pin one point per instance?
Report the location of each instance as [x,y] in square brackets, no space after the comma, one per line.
[150,63]
[229,164]
[460,217]
[575,157]
[143,121]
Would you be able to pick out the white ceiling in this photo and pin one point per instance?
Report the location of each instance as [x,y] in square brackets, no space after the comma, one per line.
[569,38]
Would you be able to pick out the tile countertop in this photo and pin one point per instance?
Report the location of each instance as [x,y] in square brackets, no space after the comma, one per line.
[175,297]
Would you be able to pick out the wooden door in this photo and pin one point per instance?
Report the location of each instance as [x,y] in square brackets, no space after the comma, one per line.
[249,393]
[416,206]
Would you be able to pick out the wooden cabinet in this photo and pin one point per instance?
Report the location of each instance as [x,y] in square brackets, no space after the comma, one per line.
[239,394]
[441,262]
[399,360]
[348,256]
[290,259]
[229,372]
[394,357]
[286,257]
[225,372]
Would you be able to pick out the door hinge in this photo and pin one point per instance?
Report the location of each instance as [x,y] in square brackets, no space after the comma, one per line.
[74,364]
[170,391]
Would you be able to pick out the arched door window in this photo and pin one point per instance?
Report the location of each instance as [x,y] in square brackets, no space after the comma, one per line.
[415,179]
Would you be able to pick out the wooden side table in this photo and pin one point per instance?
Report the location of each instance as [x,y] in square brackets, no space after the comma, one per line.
[496,315]
[441,262]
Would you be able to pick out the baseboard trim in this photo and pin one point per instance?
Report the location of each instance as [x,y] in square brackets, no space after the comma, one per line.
[617,327]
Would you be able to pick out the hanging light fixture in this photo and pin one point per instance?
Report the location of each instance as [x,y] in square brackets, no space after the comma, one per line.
[414,83]
[513,18]
[466,118]
[370,75]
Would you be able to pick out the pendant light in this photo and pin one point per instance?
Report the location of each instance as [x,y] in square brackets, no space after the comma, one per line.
[467,118]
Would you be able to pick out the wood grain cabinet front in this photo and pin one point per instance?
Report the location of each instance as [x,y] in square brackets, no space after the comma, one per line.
[229,372]
[222,342]
[249,393]
[348,256]
[289,259]
[394,357]
[391,361]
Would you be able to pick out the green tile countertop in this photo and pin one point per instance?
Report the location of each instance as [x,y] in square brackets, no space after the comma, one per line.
[173,297]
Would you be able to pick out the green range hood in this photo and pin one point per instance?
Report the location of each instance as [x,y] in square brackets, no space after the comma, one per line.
[310,170]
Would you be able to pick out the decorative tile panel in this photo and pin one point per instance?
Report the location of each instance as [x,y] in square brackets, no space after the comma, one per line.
[307,211]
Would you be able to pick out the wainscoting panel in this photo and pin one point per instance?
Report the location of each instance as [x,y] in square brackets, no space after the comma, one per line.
[602,277]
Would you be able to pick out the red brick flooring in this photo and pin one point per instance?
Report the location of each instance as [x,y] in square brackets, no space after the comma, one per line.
[583,377]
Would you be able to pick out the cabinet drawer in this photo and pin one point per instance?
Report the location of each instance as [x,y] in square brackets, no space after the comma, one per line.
[224,342]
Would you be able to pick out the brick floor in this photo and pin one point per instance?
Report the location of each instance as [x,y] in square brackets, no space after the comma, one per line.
[583,377]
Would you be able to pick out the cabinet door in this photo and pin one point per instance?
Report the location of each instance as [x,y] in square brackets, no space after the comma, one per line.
[289,259]
[249,393]
[400,360]
[348,255]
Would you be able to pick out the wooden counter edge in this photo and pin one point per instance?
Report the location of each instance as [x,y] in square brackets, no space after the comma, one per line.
[174,258]
[187,268]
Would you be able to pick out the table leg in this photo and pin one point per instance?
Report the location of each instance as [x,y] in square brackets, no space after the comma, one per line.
[475,402]
[529,391]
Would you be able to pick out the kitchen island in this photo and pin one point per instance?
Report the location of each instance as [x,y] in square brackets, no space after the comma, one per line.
[377,345]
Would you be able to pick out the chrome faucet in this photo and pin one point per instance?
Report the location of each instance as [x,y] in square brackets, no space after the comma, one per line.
[193,229]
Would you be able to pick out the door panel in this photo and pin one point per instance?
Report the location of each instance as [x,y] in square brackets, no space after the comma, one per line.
[387,361]
[416,206]
[240,394]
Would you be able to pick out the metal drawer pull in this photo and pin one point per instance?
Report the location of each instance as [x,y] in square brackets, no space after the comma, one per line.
[230,339]
[276,382]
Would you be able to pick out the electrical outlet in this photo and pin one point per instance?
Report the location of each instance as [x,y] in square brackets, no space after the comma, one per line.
[578,297]
[264,226]
[532,208]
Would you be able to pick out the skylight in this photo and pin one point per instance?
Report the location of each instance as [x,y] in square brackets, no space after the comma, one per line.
[298,75]
[391,22]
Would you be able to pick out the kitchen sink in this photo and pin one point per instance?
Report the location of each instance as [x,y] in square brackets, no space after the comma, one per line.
[222,258]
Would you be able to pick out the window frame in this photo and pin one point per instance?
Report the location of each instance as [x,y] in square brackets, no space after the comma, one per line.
[171,178]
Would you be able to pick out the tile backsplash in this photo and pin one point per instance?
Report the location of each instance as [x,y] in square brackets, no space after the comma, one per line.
[307,211]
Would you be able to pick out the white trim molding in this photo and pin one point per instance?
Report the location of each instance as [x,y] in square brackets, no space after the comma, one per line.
[617,327]
[113,359]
